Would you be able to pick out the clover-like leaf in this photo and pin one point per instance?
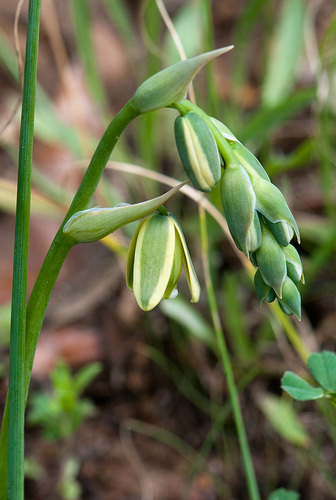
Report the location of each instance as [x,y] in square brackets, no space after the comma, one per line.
[323,368]
[283,494]
[300,389]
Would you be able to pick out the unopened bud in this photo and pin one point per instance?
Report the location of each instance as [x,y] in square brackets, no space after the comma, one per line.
[95,223]
[198,151]
[155,259]
[271,261]
[290,302]
[238,201]
[171,84]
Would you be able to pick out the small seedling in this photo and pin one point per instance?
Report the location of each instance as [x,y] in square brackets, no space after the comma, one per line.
[61,412]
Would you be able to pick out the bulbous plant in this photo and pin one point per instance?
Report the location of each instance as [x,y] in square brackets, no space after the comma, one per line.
[258,217]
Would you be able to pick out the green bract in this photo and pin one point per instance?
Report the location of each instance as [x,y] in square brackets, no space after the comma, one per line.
[198,151]
[171,84]
[157,252]
[95,223]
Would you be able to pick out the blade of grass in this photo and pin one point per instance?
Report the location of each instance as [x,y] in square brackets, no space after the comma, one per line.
[283,58]
[52,265]
[16,391]
[81,17]
[252,485]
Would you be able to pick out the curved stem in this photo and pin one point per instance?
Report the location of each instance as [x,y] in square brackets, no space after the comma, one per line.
[227,367]
[54,260]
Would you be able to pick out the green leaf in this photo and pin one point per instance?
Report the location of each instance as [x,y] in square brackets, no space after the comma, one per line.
[285,53]
[323,367]
[283,494]
[300,389]
[282,416]
[85,375]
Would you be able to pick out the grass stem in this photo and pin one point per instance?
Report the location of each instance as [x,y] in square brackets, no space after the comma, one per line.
[227,367]
[16,405]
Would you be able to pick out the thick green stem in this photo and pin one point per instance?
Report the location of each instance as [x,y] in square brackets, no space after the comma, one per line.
[227,367]
[54,260]
[16,404]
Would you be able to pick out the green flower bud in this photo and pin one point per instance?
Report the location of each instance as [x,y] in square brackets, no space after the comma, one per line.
[254,235]
[247,159]
[271,203]
[294,264]
[290,302]
[271,261]
[171,84]
[282,231]
[264,292]
[95,223]
[238,201]
[198,151]
[157,252]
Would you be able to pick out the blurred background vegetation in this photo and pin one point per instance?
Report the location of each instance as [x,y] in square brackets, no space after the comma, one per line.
[162,425]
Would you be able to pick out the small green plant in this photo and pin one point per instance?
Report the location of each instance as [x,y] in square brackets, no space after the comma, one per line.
[61,412]
[283,494]
[323,368]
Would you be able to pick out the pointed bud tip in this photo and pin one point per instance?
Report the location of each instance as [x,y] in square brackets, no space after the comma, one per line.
[171,84]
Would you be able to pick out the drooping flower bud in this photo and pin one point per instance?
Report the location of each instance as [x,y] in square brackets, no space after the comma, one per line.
[290,302]
[171,84]
[198,151]
[271,203]
[294,264]
[238,201]
[95,223]
[271,261]
[282,231]
[264,292]
[157,252]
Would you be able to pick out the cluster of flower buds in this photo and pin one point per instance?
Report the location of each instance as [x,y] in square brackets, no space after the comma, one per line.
[258,217]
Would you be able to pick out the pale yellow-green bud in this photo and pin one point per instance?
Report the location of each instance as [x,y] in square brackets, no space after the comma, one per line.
[198,151]
[157,252]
